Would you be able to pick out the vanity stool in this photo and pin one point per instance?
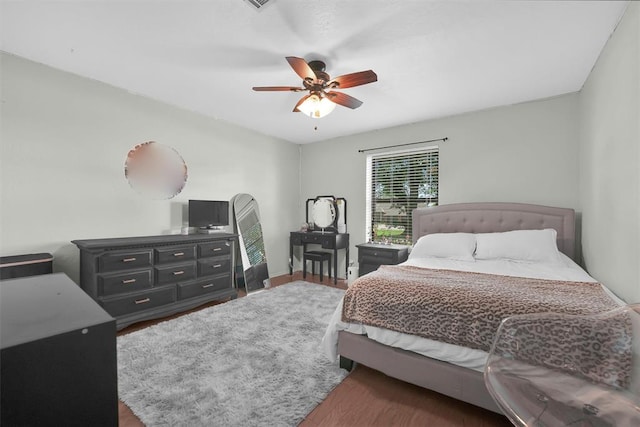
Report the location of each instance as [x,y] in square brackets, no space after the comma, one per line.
[314,256]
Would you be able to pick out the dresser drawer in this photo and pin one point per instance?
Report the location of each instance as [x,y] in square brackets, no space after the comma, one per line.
[313,238]
[373,255]
[174,254]
[122,260]
[203,287]
[175,273]
[221,247]
[140,301]
[209,267]
[129,281]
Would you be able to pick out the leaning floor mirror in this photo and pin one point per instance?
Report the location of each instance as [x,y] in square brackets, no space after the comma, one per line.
[252,251]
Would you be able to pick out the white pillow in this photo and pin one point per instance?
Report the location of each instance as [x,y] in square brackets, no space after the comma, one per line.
[523,245]
[459,246]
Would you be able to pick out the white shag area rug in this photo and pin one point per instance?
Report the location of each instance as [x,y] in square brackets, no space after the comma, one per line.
[253,361]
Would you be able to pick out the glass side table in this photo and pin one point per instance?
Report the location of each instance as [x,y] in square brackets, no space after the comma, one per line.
[561,370]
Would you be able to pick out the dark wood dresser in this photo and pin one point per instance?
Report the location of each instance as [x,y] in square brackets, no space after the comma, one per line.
[140,278]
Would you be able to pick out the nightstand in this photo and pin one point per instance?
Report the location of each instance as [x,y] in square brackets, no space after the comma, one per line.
[373,255]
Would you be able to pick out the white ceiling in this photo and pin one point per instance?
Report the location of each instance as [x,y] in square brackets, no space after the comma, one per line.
[432,58]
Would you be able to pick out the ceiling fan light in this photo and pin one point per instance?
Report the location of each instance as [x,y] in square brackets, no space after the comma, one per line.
[316,107]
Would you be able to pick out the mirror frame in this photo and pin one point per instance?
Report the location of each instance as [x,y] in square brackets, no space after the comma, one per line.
[333,227]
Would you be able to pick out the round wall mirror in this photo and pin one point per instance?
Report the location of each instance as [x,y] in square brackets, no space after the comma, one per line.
[155,170]
[324,213]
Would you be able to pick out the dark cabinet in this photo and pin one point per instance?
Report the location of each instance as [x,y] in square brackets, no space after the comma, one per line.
[58,355]
[142,278]
[12,267]
[373,255]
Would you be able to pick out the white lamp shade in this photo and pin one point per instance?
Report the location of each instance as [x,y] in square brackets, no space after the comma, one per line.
[316,107]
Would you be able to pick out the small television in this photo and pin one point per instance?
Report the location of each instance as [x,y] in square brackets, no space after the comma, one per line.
[208,214]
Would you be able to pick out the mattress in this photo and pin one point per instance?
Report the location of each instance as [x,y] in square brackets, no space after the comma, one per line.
[565,270]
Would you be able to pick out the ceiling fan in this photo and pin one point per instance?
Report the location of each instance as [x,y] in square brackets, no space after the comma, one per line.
[322,99]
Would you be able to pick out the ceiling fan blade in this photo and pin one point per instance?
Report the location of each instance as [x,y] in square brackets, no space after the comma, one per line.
[353,79]
[343,99]
[278,88]
[301,68]
[304,98]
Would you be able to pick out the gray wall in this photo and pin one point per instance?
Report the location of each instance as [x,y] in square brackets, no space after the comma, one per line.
[522,153]
[64,141]
[610,161]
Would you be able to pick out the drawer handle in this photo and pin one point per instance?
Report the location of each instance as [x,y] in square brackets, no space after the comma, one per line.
[142,301]
[216,249]
[207,286]
[177,273]
[129,259]
[179,254]
[129,281]
[217,265]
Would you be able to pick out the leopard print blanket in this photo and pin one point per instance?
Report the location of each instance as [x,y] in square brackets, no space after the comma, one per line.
[466,308]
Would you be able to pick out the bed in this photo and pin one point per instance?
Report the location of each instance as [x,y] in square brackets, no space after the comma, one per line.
[450,369]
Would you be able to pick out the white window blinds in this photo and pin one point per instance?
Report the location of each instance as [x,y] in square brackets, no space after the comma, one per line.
[397,183]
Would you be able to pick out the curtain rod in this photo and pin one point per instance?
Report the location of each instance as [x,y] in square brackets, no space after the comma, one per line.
[402,145]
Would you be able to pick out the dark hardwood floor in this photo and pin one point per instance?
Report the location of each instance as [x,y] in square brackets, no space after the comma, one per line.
[370,398]
[366,397]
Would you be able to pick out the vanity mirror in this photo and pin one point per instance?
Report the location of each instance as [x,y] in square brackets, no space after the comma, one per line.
[327,214]
[324,213]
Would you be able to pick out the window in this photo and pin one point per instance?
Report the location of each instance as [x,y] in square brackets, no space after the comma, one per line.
[397,183]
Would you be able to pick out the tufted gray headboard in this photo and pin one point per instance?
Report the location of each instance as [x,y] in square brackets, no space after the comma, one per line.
[495,217]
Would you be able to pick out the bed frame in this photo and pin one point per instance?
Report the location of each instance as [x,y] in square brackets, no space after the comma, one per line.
[452,380]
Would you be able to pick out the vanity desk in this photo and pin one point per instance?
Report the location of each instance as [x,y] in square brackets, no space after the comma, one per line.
[326,240]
